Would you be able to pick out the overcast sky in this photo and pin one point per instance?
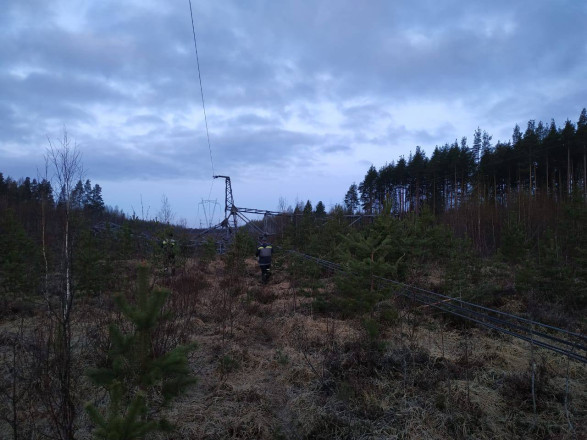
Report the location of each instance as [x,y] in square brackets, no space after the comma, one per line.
[301,96]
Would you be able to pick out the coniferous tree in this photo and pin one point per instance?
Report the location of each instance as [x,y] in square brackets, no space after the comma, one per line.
[24,190]
[351,199]
[525,149]
[307,225]
[43,192]
[417,174]
[477,142]
[514,245]
[386,183]
[95,201]
[581,136]
[92,266]
[550,142]
[368,254]
[401,184]
[368,191]
[77,197]
[574,257]
[87,194]
[437,170]
[320,210]
[19,259]
[568,143]
[3,185]
[335,225]
[365,253]
[551,277]
[517,135]
[135,378]
[485,142]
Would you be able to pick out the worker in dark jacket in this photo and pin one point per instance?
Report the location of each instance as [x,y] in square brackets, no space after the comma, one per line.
[264,252]
[170,249]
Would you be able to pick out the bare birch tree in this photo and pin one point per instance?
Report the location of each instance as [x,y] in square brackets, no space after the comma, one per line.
[65,159]
[166,214]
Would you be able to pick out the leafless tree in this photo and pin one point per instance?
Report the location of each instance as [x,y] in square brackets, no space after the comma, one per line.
[67,165]
[65,160]
[282,204]
[165,214]
[44,202]
[14,381]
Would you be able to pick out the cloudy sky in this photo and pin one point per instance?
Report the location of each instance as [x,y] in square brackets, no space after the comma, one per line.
[301,96]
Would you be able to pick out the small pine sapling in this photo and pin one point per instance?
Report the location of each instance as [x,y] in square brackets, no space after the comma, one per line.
[366,255]
[136,379]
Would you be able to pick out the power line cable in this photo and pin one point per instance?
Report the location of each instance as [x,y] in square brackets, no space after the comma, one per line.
[504,322]
[201,90]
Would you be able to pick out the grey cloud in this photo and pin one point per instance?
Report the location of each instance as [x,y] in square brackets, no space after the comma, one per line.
[336,149]
[424,138]
[23,166]
[272,146]
[186,154]
[46,90]
[361,117]
[364,164]
[369,49]
[153,120]
[11,127]
[455,60]
[253,121]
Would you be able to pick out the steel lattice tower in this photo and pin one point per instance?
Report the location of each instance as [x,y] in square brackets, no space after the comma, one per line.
[229,208]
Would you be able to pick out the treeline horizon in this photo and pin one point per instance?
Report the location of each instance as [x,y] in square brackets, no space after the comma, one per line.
[474,188]
[84,196]
[544,160]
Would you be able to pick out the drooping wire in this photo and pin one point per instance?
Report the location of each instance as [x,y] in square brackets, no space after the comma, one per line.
[201,89]
[505,323]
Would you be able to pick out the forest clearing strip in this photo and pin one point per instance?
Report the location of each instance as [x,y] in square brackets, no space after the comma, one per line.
[570,344]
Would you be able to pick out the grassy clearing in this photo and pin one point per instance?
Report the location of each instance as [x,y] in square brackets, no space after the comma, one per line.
[271,366]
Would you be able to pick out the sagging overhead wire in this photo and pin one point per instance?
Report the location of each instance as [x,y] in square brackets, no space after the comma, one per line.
[202,90]
[564,342]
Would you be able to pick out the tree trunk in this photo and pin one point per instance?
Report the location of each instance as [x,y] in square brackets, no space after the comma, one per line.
[530,188]
[456,190]
[547,192]
[569,171]
[434,193]
[416,197]
[560,185]
[584,171]
[495,190]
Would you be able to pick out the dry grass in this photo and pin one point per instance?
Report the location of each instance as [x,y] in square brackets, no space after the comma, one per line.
[269,367]
[297,374]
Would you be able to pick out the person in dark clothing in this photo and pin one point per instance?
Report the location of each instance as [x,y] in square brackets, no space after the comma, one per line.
[170,248]
[264,252]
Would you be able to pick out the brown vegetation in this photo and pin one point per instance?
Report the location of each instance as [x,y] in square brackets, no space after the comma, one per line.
[270,366]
